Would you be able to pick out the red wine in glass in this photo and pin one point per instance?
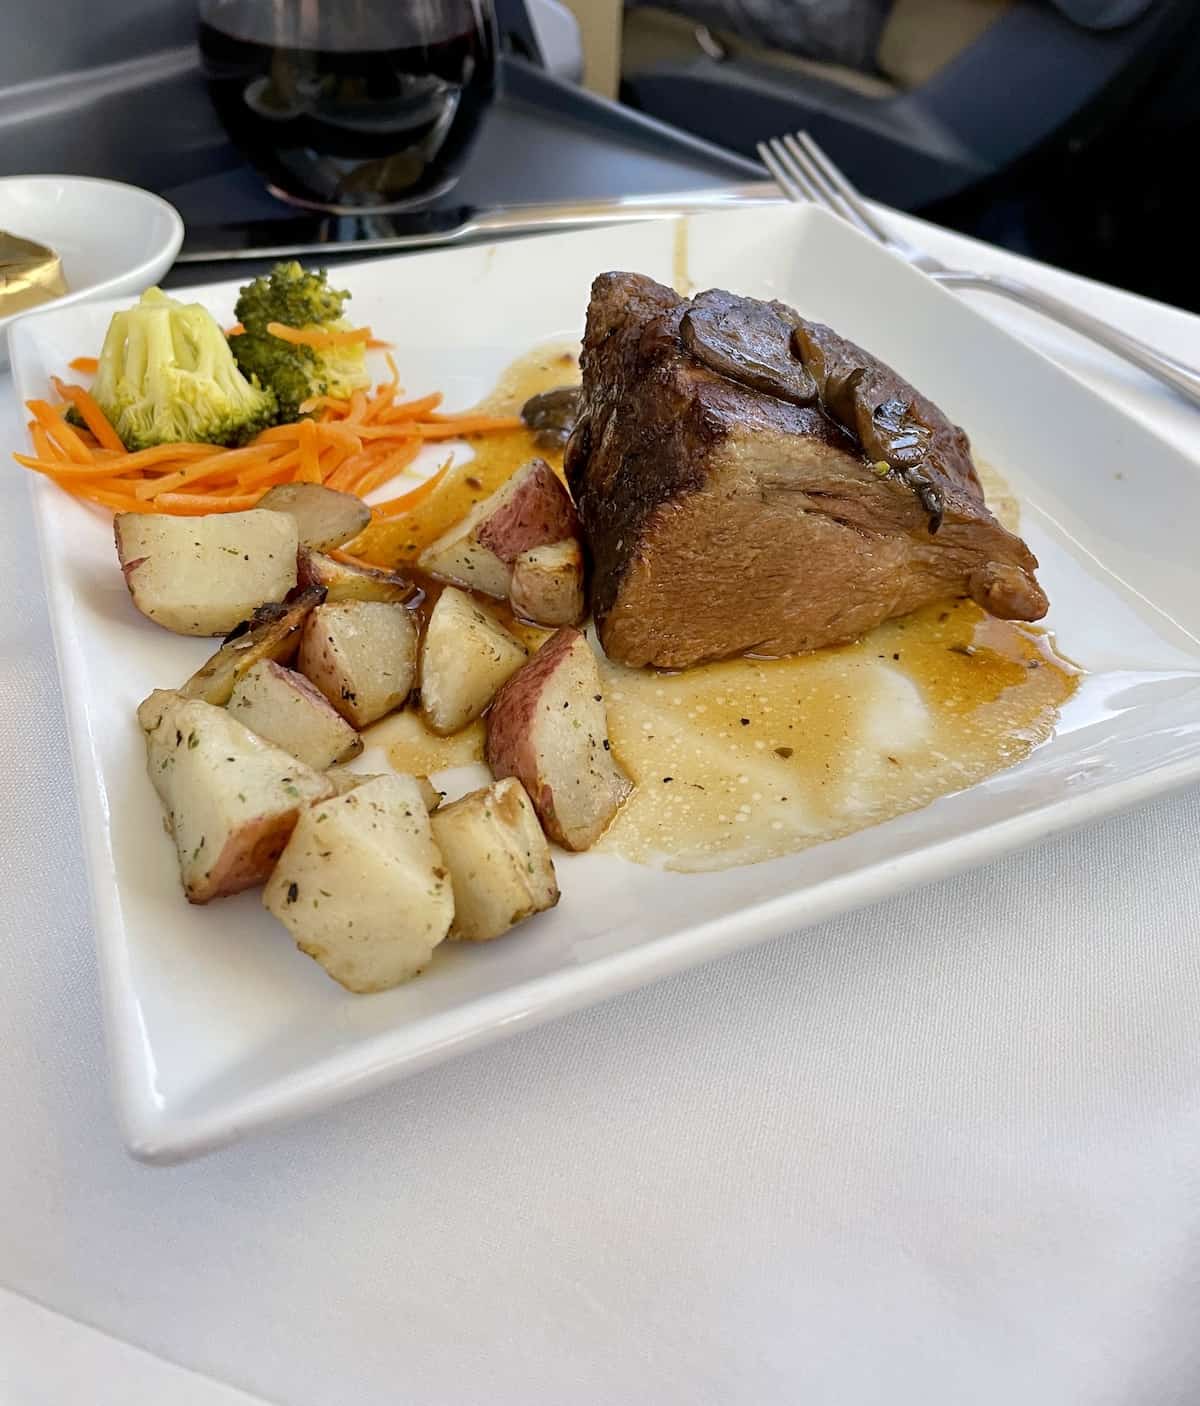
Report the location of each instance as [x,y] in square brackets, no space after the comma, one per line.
[351,106]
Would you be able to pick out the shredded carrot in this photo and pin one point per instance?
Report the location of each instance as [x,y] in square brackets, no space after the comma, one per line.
[317,336]
[347,560]
[41,442]
[467,425]
[412,409]
[407,501]
[351,469]
[387,468]
[281,469]
[93,417]
[324,402]
[356,444]
[280,434]
[366,432]
[86,365]
[380,401]
[68,470]
[169,453]
[235,331]
[310,468]
[116,502]
[331,433]
[217,466]
[194,504]
[60,432]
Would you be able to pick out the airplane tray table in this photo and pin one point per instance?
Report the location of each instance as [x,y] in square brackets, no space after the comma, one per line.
[544,140]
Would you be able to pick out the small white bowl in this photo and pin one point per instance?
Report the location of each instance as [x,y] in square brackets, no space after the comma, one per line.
[112,238]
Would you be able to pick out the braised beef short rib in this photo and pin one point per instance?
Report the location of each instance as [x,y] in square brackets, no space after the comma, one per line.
[749,482]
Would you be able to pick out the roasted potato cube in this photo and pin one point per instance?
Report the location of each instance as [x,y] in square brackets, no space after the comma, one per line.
[343,580]
[362,886]
[344,779]
[548,728]
[547,584]
[231,799]
[282,706]
[498,858]
[324,517]
[152,707]
[203,575]
[465,657]
[362,655]
[531,510]
[272,632]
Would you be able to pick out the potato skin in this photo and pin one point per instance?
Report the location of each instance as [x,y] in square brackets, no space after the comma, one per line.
[466,656]
[499,862]
[362,885]
[561,757]
[324,517]
[342,580]
[231,799]
[547,584]
[205,575]
[272,632]
[536,511]
[509,750]
[285,708]
[531,509]
[362,655]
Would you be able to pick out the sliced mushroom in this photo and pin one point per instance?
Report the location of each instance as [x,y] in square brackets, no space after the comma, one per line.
[894,436]
[749,343]
[552,414]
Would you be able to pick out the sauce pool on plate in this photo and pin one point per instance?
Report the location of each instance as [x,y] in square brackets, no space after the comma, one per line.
[750,759]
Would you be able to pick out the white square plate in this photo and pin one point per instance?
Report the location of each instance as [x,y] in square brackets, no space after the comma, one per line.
[216,1027]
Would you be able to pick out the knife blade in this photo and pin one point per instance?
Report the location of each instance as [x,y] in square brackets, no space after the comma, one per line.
[425,229]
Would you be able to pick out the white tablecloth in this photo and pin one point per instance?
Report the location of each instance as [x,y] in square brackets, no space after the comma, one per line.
[943,1150]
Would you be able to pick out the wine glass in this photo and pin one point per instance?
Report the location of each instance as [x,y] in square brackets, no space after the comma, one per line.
[351,106]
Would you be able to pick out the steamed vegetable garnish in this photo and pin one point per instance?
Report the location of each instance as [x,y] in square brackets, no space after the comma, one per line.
[295,339]
[166,375]
[353,446]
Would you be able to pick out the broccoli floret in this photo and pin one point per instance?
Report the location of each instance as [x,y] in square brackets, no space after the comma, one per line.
[166,374]
[298,298]
[290,294]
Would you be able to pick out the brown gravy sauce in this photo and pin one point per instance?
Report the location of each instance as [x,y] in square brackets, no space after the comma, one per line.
[398,542]
[751,759]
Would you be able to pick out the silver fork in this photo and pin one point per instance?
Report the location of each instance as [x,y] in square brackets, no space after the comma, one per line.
[804,173]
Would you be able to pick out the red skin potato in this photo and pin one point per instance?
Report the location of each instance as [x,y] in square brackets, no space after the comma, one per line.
[538,512]
[516,733]
[247,859]
[550,595]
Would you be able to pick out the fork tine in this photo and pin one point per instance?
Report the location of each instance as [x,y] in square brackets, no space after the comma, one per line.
[801,179]
[838,181]
[777,161]
[829,195]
